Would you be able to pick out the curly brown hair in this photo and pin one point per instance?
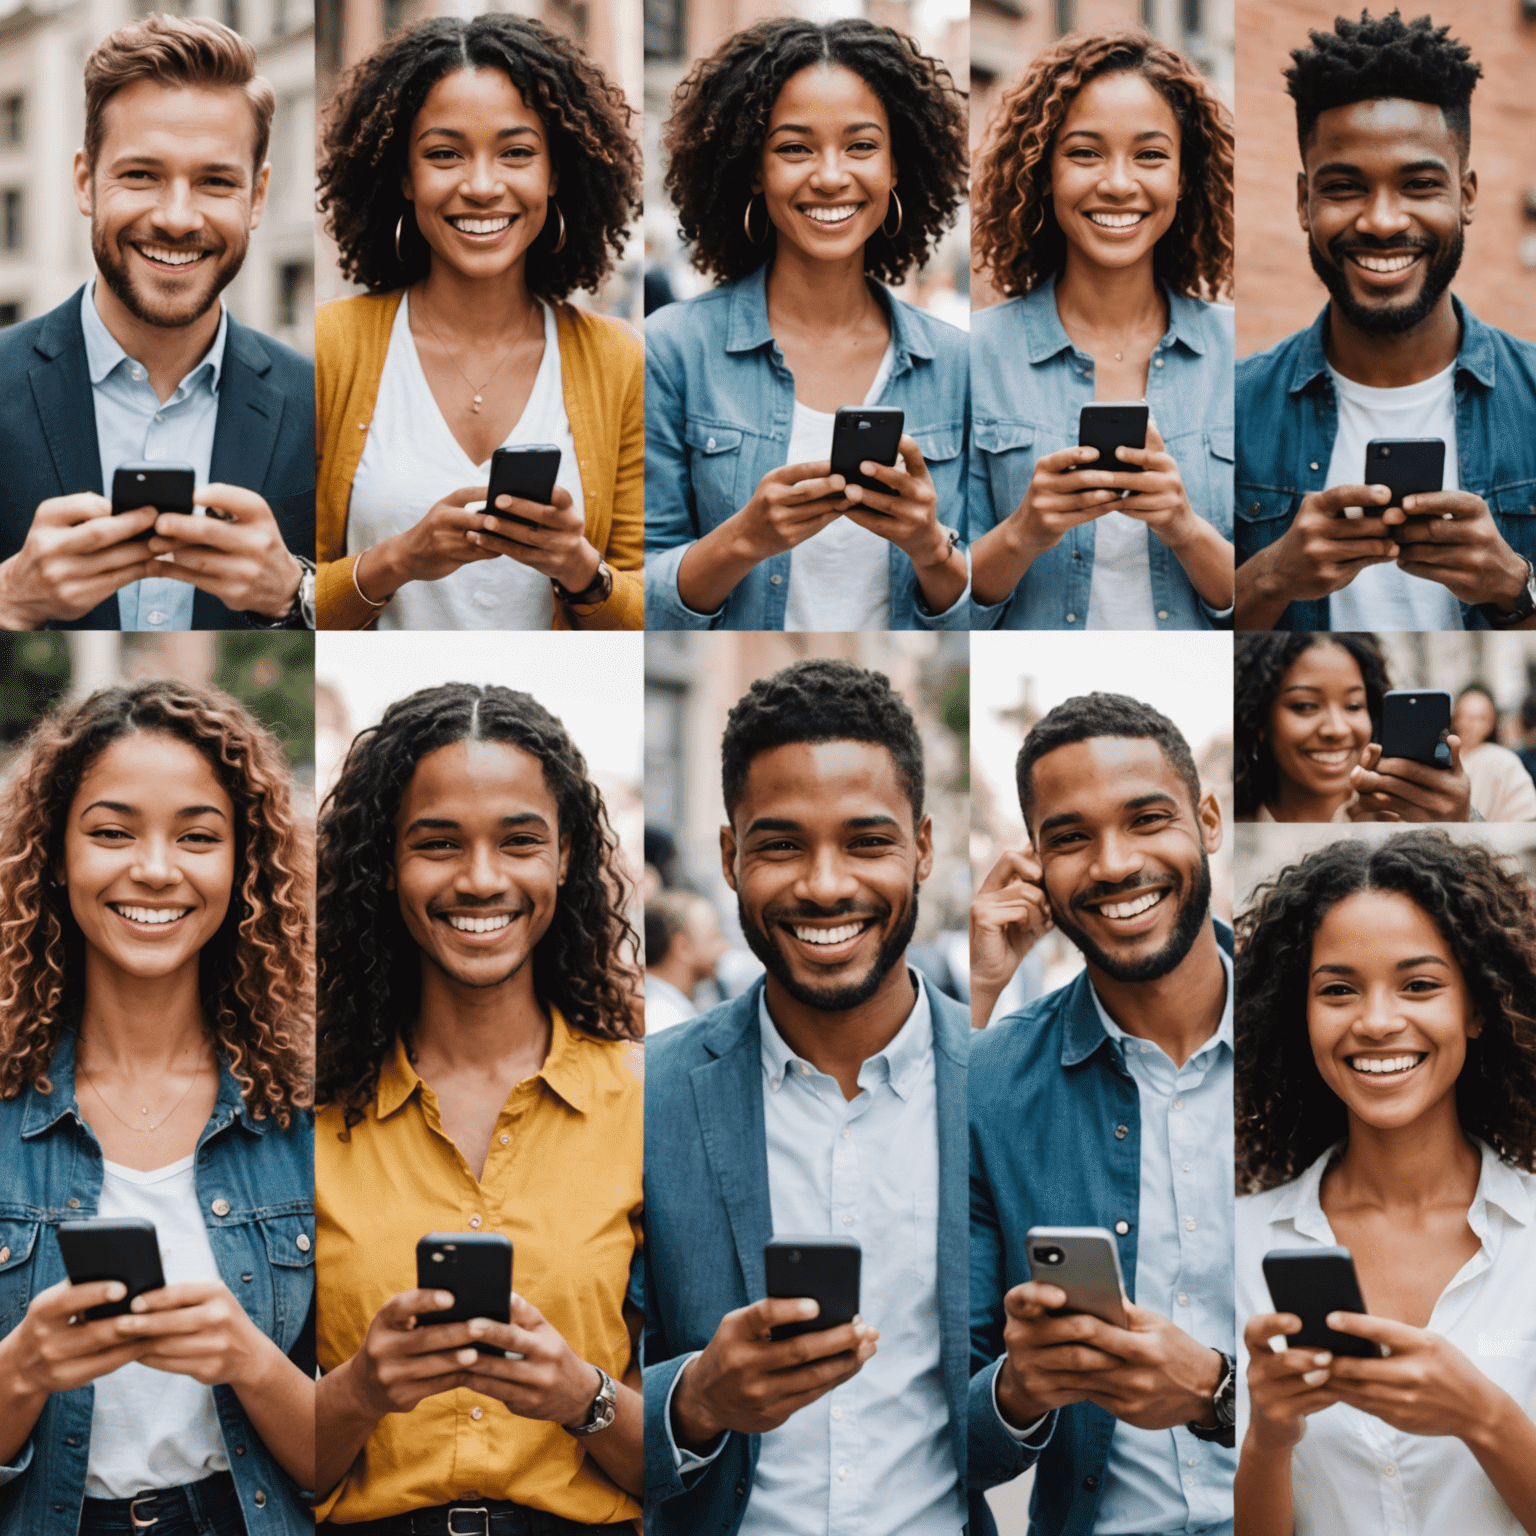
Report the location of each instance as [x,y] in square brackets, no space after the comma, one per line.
[1286,1115]
[256,975]
[714,138]
[1015,236]
[368,124]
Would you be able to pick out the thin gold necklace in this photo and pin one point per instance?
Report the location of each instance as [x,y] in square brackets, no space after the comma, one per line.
[479,393]
[145,1129]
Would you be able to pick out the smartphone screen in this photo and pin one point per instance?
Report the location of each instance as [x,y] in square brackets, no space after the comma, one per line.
[824,1268]
[1109,425]
[1407,466]
[1414,724]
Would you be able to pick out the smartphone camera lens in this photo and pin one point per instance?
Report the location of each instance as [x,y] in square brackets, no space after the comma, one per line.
[794,1255]
[1049,1254]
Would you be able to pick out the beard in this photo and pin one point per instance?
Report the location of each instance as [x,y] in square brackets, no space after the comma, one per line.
[1390,319]
[113,267]
[1190,918]
[836,998]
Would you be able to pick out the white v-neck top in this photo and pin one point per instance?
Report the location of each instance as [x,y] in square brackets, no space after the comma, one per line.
[412,460]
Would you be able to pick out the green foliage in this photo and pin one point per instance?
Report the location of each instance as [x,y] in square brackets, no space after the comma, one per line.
[273,674]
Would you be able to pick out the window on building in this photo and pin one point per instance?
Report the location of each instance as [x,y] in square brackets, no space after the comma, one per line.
[665,28]
[328,30]
[1066,16]
[295,293]
[13,121]
[13,230]
[1194,18]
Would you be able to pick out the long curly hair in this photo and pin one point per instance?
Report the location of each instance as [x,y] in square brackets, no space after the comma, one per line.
[369,967]
[1287,1116]
[1014,233]
[714,138]
[256,974]
[1260,660]
[367,129]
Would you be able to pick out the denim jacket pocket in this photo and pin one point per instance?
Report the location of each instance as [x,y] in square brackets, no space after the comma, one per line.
[1009,447]
[18,1239]
[714,464]
[1220,454]
[290,1245]
[1263,514]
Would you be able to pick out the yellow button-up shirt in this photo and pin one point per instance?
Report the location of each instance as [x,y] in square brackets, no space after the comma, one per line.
[562,1180]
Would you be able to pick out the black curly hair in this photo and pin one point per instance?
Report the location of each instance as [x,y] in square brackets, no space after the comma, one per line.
[365,145]
[369,968]
[816,701]
[1092,715]
[1259,660]
[1287,1116]
[1376,58]
[714,138]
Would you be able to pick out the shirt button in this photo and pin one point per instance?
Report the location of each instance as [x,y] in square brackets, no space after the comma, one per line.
[259,1499]
[302,1241]
[842,1472]
[158,416]
[846,1133]
[221,1206]
[1122,1227]
[138,373]
[1162,613]
[837,1413]
[1071,618]
[1121,1132]
[1313,464]
[1389,1470]
[1193,1462]
[476,1413]
[474,1221]
[505,1140]
[1189,1226]
[1184,1302]
[157,616]
[1186,1167]
[847,1221]
[776,580]
[773,1082]
[1178,1103]
[1157,362]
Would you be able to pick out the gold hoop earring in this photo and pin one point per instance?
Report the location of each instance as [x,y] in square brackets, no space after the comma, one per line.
[399,227]
[559,244]
[890,234]
[746,221]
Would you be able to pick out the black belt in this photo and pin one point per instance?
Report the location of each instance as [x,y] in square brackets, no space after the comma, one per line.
[474,1517]
[212,1497]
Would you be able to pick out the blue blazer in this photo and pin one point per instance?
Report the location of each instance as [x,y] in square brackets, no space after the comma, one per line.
[708,1214]
[264,439]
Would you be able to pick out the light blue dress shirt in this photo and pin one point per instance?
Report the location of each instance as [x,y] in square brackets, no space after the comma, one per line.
[133,424]
[873,1456]
[1165,1480]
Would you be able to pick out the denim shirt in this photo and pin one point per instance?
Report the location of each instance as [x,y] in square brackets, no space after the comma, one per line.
[1030,383]
[719,405]
[1290,416]
[255,1183]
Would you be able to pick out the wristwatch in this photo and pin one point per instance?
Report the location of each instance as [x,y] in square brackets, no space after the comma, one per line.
[1224,1405]
[598,590]
[1525,604]
[301,613]
[604,1406]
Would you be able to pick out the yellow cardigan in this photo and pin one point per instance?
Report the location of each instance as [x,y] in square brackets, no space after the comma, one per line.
[602,365]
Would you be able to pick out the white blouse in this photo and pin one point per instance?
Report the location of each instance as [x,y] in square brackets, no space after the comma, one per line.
[412,460]
[1353,1474]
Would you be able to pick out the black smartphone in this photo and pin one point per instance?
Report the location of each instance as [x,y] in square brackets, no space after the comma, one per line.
[1414,724]
[864,434]
[165,486]
[824,1268]
[527,472]
[1407,466]
[477,1268]
[1110,425]
[111,1248]
[1085,1263]
[1312,1282]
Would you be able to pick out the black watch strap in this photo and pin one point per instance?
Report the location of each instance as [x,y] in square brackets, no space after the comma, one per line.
[1224,1405]
[1524,607]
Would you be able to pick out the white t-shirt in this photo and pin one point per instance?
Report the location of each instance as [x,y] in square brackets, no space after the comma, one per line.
[840,578]
[149,1428]
[1353,1474]
[1382,597]
[1120,596]
[411,461]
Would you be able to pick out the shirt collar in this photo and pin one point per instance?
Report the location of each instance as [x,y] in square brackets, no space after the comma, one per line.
[903,1060]
[564,1072]
[1222,1036]
[1046,337]
[1475,354]
[103,352]
[747,321]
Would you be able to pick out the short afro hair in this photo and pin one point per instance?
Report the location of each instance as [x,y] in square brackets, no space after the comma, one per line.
[720,113]
[1374,60]
[365,147]
[817,701]
[1102,714]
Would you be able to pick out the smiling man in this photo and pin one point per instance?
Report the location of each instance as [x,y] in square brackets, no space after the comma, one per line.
[1108,1104]
[1385,196]
[146,364]
[828,1100]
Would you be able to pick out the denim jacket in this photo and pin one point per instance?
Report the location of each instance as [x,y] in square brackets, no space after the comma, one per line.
[1030,382]
[1290,416]
[719,405]
[263,1243]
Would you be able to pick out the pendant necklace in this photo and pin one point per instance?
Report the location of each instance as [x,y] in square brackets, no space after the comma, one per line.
[479,394]
[146,1126]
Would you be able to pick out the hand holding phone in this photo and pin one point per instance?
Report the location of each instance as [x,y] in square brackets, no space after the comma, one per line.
[160,484]
[126,1249]
[863,433]
[1310,1283]
[477,1268]
[824,1268]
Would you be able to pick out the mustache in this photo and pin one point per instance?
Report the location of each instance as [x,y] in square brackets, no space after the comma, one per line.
[807,912]
[1122,888]
[1341,245]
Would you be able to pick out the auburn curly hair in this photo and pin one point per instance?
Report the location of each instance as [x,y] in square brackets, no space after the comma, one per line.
[369,967]
[1286,1115]
[1014,233]
[1260,659]
[256,974]
[714,138]
[367,129]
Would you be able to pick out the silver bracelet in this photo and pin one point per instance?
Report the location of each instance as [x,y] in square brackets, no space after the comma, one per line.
[356,561]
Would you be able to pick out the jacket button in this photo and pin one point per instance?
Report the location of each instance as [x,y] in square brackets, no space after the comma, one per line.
[1071,618]
[239,1450]
[259,1499]
[709,446]
[1077,554]
[1121,1132]
[5,1255]
[777,580]
[1157,362]
[74,1204]
[1255,507]
[247,1278]
[302,1242]
[1122,1227]
[741,1489]
[1313,464]
[71,1440]
[221,1206]
[1090,1482]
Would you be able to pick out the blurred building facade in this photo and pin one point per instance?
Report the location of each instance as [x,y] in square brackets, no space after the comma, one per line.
[45,243]
[1278,293]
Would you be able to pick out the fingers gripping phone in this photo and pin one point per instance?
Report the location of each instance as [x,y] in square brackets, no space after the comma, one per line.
[1407,466]
[164,486]
[528,472]
[1415,723]
[823,1268]
[122,1248]
[476,1267]
[865,434]
[1085,1263]
[1312,1282]
[1110,425]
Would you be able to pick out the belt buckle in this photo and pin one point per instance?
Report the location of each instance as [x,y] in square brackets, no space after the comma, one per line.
[469,1509]
[133,1512]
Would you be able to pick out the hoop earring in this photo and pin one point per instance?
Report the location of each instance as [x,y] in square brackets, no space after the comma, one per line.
[559,244]
[746,221]
[399,226]
[890,234]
